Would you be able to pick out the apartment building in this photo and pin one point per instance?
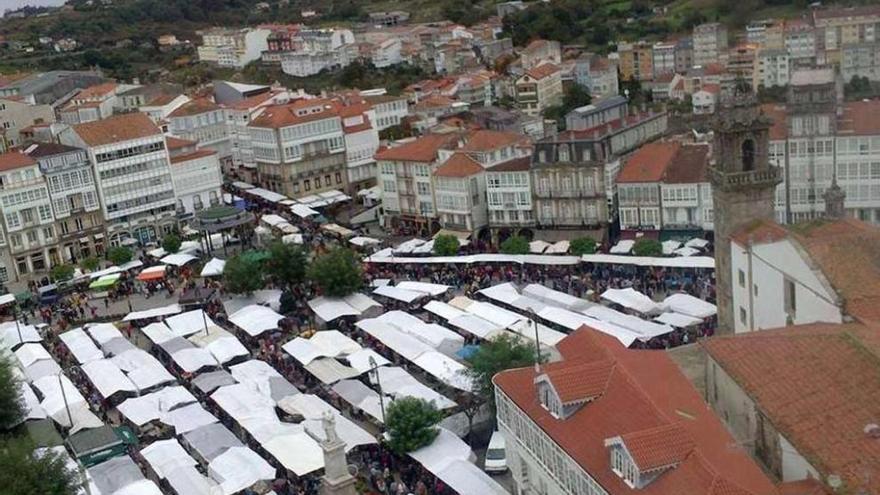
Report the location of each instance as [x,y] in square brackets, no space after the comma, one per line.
[539,88]
[710,44]
[684,55]
[837,27]
[196,175]
[386,53]
[319,49]
[663,61]
[238,115]
[90,104]
[205,122]
[597,74]
[235,48]
[509,195]
[299,148]
[133,175]
[800,42]
[540,51]
[361,144]
[862,60]
[159,107]
[636,61]
[73,190]
[598,113]
[405,175]
[389,110]
[742,62]
[16,115]
[29,234]
[774,68]
[460,192]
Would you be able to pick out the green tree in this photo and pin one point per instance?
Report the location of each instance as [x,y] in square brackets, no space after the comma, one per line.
[337,273]
[411,424]
[515,244]
[501,353]
[23,472]
[119,255]
[446,245]
[11,406]
[583,245]
[90,264]
[242,275]
[60,273]
[287,263]
[171,243]
[648,247]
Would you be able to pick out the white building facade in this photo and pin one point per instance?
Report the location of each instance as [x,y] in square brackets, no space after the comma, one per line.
[233,47]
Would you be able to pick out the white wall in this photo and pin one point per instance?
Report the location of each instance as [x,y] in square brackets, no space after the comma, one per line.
[794,466]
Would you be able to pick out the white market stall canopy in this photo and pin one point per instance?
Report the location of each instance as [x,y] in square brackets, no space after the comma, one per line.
[436,336]
[362,397]
[632,299]
[171,309]
[213,268]
[337,229]
[647,329]
[178,259]
[329,309]
[425,287]
[273,220]
[451,459]
[14,335]
[152,407]
[396,293]
[302,211]
[443,310]
[397,382]
[255,319]
[676,262]
[622,247]
[689,305]
[678,320]
[270,196]
[386,256]
[81,346]
[362,241]
[57,405]
[670,246]
[554,297]
[107,378]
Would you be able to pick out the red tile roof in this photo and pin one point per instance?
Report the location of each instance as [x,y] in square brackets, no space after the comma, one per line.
[818,386]
[117,128]
[12,160]
[298,112]
[579,382]
[860,118]
[521,164]
[649,163]
[458,165]
[759,232]
[252,102]
[658,447]
[192,156]
[645,390]
[423,149]
[96,91]
[161,100]
[689,166]
[175,143]
[194,107]
[542,71]
[486,140]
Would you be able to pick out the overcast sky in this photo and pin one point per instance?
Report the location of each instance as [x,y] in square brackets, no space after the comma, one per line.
[15,4]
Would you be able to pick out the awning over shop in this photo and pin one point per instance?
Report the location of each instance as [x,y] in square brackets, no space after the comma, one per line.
[152,273]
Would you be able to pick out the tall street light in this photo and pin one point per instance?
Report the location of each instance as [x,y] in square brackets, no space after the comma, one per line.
[374,369]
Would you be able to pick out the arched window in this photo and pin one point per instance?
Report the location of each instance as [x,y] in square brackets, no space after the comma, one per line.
[748,155]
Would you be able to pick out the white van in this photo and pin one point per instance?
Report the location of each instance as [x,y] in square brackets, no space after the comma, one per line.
[496,454]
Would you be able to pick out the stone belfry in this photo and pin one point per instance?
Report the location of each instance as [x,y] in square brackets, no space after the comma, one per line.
[743,182]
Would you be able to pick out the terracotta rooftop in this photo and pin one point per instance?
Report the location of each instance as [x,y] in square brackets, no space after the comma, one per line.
[759,232]
[521,164]
[297,112]
[117,128]
[458,165]
[194,107]
[192,156]
[658,447]
[161,100]
[689,166]
[39,150]
[861,11]
[579,382]
[252,101]
[645,391]
[818,385]
[96,91]
[12,160]
[542,71]
[423,149]
[175,143]
[486,140]
[859,118]
[649,163]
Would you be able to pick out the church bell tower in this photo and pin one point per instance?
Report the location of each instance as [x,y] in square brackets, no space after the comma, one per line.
[743,183]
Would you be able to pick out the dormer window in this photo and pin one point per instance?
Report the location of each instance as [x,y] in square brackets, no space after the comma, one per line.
[641,457]
[564,391]
[623,466]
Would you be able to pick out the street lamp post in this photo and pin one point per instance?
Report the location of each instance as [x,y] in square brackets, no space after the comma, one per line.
[537,342]
[374,368]
[17,325]
[64,395]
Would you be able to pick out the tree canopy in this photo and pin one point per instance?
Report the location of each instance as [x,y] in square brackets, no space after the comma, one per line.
[24,472]
[171,243]
[286,263]
[60,273]
[242,275]
[11,406]
[91,263]
[411,423]
[119,255]
[648,247]
[337,272]
[501,353]
[446,245]
[515,244]
[583,245]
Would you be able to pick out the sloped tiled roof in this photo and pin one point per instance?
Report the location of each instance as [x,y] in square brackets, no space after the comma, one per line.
[521,164]
[96,91]
[658,447]
[276,116]
[542,71]
[579,382]
[192,156]
[117,128]
[175,143]
[649,163]
[423,149]
[488,140]
[12,160]
[689,166]
[194,107]
[458,165]
[645,390]
[818,386]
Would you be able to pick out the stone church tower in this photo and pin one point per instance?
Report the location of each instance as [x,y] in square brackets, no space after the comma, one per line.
[743,183]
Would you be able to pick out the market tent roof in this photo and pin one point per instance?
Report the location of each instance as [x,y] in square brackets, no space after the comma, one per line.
[437,336]
[360,360]
[106,271]
[385,256]
[151,407]
[171,309]
[689,305]
[398,294]
[152,273]
[302,211]
[293,239]
[121,476]
[107,378]
[263,378]
[397,382]
[208,382]
[337,229]
[505,292]
[697,243]
[270,196]
[631,299]
[443,310]
[559,247]
[103,332]
[14,335]
[255,319]
[362,241]
[188,418]
[32,407]
[105,282]
[362,397]
[211,440]
[449,458]
[646,329]
[329,370]
[408,246]
[554,297]
[242,185]
[670,246]
[158,333]
[213,268]
[30,353]
[329,309]
[224,346]
[428,288]
[7,299]
[80,346]
[165,456]
[312,408]
[144,370]
[538,246]
[191,358]
[272,219]
[494,314]
[178,259]
[186,324]
[477,326]
[264,297]
[238,468]
[678,320]
[131,265]
[622,247]
[546,335]
[676,262]
[686,251]
[334,343]
[56,405]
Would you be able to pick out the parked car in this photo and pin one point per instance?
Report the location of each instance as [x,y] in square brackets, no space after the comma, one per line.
[496,454]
